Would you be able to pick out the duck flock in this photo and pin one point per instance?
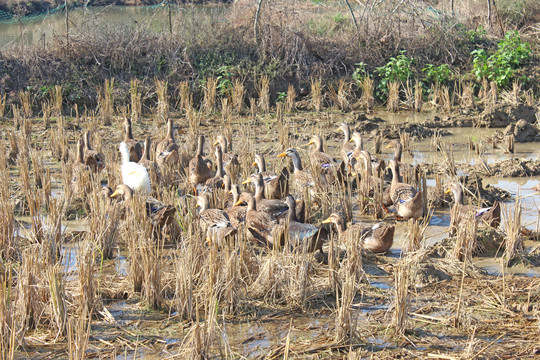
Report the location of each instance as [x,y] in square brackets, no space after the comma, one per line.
[274,214]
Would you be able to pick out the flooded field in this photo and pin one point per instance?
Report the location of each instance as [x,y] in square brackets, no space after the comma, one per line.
[191,296]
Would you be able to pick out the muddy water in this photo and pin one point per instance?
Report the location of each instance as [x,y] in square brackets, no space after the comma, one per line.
[423,152]
[49,27]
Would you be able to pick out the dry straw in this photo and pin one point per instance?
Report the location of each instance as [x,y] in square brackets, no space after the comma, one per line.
[263,90]
[290,100]
[367,100]
[56,95]
[392,104]
[238,94]
[136,103]
[163,100]
[26,103]
[106,102]
[185,97]
[210,93]
[513,242]
[418,96]
[316,94]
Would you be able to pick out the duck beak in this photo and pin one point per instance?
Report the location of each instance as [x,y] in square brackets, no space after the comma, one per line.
[351,140]
[114,194]
[448,191]
[329,220]
[246,181]
[229,192]
[254,163]
[215,143]
[238,203]
[389,146]
[308,144]
[282,155]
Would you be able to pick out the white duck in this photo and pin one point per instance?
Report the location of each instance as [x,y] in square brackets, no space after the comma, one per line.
[134,175]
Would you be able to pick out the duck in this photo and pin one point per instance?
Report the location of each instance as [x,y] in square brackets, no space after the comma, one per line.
[276,186]
[91,156]
[227,200]
[398,149]
[151,166]
[303,234]
[375,177]
[275,208]
[167,149]
[79,167]
[347,147]
[215,222]
[134,147]
[199,172]
[232,165]
[261,227]
[302,179]
[407,201]
[318,156]
[237,213]
[322,161]
[134,175]
[162,217]
[377,238]
[216,182]
[488,215]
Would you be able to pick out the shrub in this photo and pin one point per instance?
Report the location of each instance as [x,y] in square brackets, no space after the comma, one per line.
[398,69]
[501,66]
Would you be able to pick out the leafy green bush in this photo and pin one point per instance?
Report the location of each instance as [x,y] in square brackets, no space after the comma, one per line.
[501,66]
[399,68]
[437,74]
[360,73]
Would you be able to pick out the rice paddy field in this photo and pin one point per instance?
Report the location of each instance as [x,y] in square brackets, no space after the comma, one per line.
[307,179]
[89,274]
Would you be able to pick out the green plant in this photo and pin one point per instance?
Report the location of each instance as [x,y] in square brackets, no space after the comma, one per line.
[281,96]
[224,82]
[501,66]
[339,18]
[398,69]
[437,74]
[360,73]
[475,36]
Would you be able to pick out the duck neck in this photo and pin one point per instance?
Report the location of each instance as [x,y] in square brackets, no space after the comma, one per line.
[129,133]
[318,145]
[235,193]
[292,209]
[367,164]
[259,188]
[398,148]
[87,145]
[223,143]
[125,154]
[261,164]
[395,173]
[340,226]
[80,151]
[200,146]
[170,130]
[219,159]
[458,195]
[297,163]
[347,133]
[251,204]
[146,154]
